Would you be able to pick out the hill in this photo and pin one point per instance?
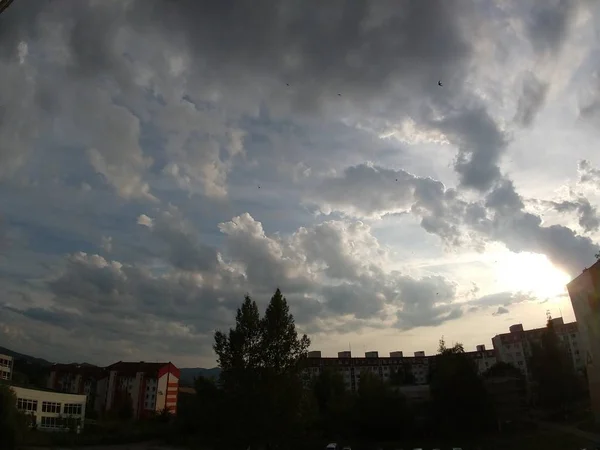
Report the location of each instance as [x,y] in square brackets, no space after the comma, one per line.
[188,374]
[23,357]
[34,368]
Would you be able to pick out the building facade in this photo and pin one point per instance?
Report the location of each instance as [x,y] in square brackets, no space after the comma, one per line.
[584,291]
[148,388]
[418,366]
[6,367]
[515,347]
[51,410]
[82,379]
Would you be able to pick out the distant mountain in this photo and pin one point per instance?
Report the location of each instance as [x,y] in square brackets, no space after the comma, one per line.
[23,357]
[188,374]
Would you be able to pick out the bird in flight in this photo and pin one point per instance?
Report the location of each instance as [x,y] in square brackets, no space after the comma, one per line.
[440,83]
[259,187]
[340,95]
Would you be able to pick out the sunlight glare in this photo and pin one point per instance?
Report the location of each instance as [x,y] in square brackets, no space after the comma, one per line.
[529,272]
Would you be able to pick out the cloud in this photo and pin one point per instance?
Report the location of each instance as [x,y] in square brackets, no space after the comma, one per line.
[500,217]
[133,136]
[501,310]
[531,100]
[334,269]
[588,214]
[502,299]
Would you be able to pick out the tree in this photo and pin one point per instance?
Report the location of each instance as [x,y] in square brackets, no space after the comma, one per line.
[459,397]
[380,410]
[259,360]
[333,402]
[12,422]
[281,347]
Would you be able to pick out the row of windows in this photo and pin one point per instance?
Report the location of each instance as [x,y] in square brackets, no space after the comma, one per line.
[5,362]
[59,422]
[74,409]
[4,375]
[26,405]
[51,407]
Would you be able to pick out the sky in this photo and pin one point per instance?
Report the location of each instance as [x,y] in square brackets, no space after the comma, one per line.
[160,159]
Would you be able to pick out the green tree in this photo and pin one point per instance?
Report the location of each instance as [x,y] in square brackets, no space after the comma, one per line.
[281,347]
[260,371]
[12,422]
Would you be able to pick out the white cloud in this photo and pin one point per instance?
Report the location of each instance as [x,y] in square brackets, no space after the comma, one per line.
[142,131]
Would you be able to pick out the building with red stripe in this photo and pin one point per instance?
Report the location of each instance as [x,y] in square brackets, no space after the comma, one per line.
[148,387]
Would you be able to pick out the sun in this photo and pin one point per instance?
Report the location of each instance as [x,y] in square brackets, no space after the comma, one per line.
[529,272]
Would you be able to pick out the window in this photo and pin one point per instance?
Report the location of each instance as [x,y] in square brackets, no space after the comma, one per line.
[50,422]
[72,409]
[154,387]
[26,405]
[51,407]
[520,363]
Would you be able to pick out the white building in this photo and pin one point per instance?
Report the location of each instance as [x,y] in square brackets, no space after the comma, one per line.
[515,347]
[6,367]
[51,410]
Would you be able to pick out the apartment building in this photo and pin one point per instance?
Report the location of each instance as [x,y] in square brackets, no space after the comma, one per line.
[515,347]
[584,292]
[50,410]
[83,379]
[6,367]
[419,365]
[148,387]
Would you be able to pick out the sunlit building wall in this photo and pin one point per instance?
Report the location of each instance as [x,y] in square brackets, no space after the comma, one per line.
[585,297]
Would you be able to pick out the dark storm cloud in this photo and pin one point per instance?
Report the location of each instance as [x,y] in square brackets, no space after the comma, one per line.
[357,47]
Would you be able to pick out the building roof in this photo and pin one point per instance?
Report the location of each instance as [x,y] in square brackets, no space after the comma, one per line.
[86,370]
[33,388]
[131,368]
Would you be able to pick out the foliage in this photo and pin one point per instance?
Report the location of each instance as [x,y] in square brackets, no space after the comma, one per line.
[380,410]
[260,397]
[459,396]
[12,422]
[260,372]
